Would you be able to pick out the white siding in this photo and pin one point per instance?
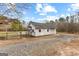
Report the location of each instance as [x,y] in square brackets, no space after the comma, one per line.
[32,26]
[44,32]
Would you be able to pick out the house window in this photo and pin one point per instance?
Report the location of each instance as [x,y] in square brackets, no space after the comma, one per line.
[29,26]
[32,30]
[39,30]
[47,30]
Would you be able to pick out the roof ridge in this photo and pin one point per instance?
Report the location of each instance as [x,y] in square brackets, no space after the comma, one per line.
[42,25]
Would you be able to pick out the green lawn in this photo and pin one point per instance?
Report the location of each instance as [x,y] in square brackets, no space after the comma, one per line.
[3,34]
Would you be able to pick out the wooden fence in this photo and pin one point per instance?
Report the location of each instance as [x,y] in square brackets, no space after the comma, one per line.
[13,34]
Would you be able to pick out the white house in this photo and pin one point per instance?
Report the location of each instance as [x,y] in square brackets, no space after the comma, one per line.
[40,29]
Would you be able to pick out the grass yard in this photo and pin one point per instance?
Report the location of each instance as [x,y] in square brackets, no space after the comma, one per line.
[3,34]
[10,33]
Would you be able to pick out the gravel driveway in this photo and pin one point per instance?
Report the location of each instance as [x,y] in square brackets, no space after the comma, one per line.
[26,49]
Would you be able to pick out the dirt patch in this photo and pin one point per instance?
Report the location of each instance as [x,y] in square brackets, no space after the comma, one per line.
[24,39]
[53,45]
[60,49]
[70,49]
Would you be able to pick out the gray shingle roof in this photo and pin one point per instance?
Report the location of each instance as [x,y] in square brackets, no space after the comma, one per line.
[43,25]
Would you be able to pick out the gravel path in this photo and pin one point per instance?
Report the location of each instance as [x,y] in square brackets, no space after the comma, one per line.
[26,49]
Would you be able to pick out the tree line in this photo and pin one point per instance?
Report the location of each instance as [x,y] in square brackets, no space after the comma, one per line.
[69,24]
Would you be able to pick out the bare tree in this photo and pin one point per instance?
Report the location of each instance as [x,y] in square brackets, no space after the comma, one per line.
[10,10]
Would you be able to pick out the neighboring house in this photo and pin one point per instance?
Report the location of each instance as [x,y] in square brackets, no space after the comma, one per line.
[6,24]
[40,29]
